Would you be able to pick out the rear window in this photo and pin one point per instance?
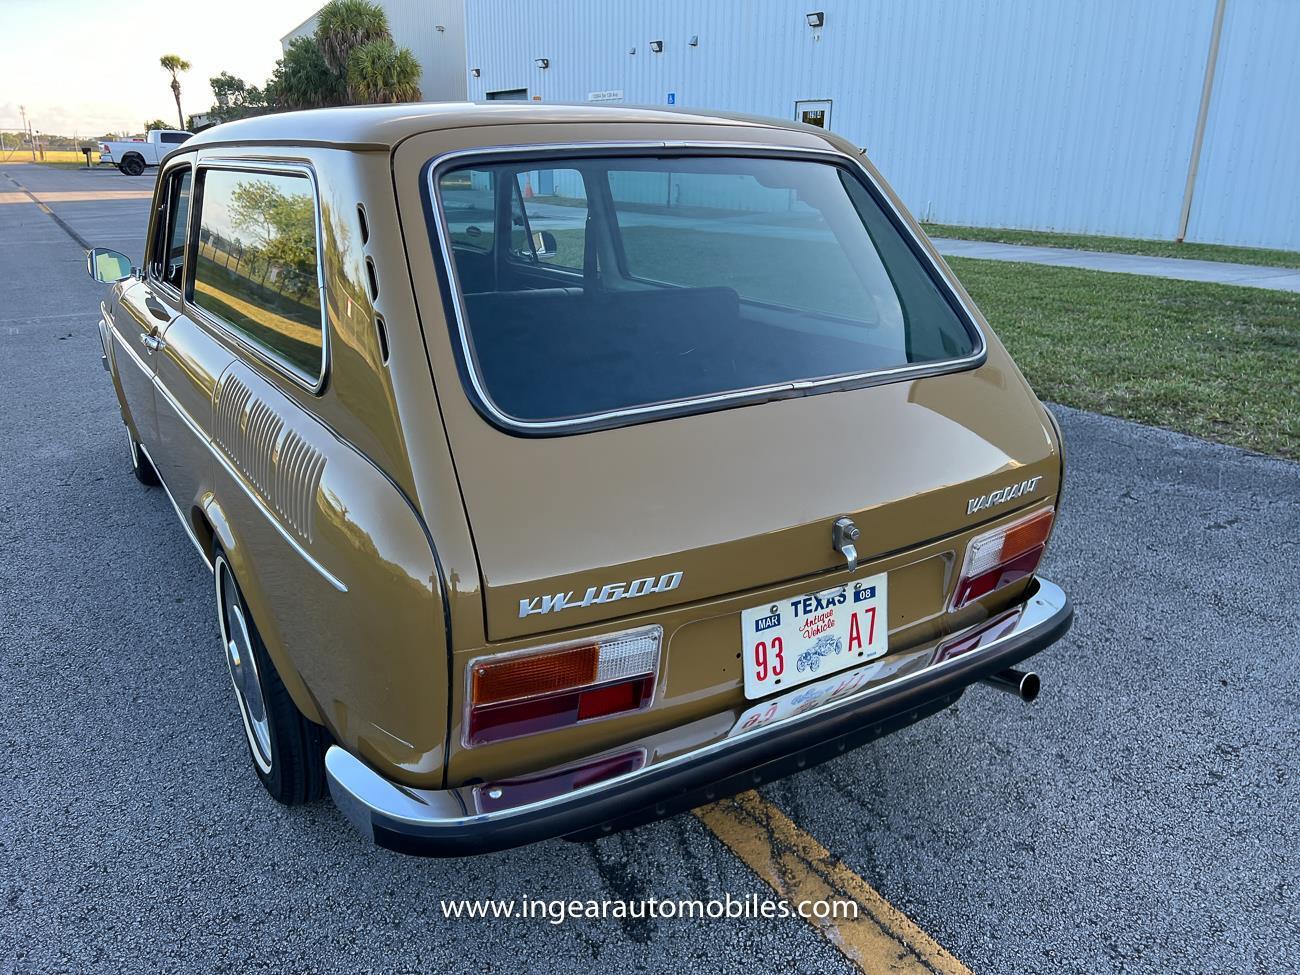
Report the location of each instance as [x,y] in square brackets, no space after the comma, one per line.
[256,263]
[593,287]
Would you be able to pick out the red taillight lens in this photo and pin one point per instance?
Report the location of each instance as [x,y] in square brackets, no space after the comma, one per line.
[559,686]
[1003,556]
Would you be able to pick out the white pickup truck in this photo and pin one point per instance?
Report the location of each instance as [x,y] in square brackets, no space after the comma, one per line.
[133,155]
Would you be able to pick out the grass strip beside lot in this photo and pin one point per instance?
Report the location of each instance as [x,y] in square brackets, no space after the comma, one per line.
[1214,361]
[1121,245]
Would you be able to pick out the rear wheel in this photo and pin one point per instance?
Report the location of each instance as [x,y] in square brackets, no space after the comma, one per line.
[132,165]
[140,465]
[288,751]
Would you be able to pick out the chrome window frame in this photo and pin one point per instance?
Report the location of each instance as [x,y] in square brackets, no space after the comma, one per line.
[264,354]
[440,240]
[166,171]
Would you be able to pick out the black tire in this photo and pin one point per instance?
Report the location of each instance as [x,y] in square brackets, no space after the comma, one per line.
[144,470]
[132,165]
[287,750]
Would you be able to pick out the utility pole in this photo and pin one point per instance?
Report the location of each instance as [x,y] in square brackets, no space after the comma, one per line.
[27,130]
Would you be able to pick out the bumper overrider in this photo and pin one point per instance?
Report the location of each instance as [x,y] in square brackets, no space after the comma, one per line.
[669,778]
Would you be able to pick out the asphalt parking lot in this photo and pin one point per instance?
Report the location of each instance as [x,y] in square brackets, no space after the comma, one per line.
[1142,816]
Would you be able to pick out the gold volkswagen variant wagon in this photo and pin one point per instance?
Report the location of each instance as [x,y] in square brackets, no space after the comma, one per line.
[563,468]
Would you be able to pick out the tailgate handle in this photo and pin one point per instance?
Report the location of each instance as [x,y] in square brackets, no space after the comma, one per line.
[843,536]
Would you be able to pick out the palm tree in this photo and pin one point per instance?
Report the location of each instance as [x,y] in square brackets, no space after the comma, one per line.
[381,72]
[175,63]
[342,26]
[302,79]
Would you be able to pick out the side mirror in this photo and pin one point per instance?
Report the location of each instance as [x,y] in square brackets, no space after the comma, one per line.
[544,244]
[107,266]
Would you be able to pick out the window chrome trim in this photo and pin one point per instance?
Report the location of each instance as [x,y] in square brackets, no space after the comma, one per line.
[165,173]
[215,322]
[696,404]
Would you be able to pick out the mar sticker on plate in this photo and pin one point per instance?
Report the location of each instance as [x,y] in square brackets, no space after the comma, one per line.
[806,638]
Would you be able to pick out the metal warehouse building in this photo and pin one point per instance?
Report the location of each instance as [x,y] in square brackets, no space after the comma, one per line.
[1146,118]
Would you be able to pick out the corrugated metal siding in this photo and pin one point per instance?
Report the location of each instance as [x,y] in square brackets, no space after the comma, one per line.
[1073,115]
[1248,187]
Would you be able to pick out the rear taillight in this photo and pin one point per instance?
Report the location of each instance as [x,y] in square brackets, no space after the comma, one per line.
[1003,556]
[561,685]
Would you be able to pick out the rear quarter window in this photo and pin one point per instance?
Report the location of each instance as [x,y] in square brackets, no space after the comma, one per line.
[256,263]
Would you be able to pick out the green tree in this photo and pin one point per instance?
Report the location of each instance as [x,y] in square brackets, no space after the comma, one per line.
[302,79]
[283,232]
[156,124]
[381,72]
[351,59]
[175,64]
[342,26]
[234,98]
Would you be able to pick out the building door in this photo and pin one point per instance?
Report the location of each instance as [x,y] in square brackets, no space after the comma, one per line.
[816,113]
[509,95]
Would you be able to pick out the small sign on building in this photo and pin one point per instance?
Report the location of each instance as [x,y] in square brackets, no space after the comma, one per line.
[672,98]
[614,95]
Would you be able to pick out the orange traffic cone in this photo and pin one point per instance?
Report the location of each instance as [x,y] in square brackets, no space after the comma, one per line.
[528,187]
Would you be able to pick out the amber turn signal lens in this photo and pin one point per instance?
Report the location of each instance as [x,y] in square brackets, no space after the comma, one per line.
[531,676]
[1028,534]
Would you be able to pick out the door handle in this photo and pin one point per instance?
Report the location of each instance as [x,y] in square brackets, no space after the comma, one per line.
[152,342]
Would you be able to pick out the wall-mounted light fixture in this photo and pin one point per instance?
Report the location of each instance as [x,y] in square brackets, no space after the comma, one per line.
[694,41]
[476,72]
[816,19]
[543,63]
[657,47]
[633,51]
[440,29]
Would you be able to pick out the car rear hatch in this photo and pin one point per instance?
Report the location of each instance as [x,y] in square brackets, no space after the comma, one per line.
[682,364]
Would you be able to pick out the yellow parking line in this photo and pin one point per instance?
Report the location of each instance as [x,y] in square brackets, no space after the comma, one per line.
[881,939]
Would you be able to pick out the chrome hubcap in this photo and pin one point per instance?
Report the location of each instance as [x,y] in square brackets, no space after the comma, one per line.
[243,668]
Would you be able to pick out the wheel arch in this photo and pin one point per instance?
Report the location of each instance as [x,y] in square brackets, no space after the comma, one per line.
[215,531]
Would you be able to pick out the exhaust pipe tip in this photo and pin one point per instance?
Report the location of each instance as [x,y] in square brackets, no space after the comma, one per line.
[1024,684]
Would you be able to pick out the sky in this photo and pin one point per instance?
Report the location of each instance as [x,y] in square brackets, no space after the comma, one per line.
[84,67]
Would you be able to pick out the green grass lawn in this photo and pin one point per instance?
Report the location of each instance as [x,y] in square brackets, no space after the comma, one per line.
[1121,245]
[1211,360]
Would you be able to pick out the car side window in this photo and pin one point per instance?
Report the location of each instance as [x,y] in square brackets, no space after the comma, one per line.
[172,138]
[168,264]
[256,266]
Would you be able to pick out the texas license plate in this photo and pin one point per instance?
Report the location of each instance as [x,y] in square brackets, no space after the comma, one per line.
[806,638]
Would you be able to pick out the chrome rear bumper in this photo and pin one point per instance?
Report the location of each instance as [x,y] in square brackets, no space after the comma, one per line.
[453,822]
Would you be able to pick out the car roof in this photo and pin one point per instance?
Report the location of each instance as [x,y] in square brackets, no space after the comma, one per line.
[381,127]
